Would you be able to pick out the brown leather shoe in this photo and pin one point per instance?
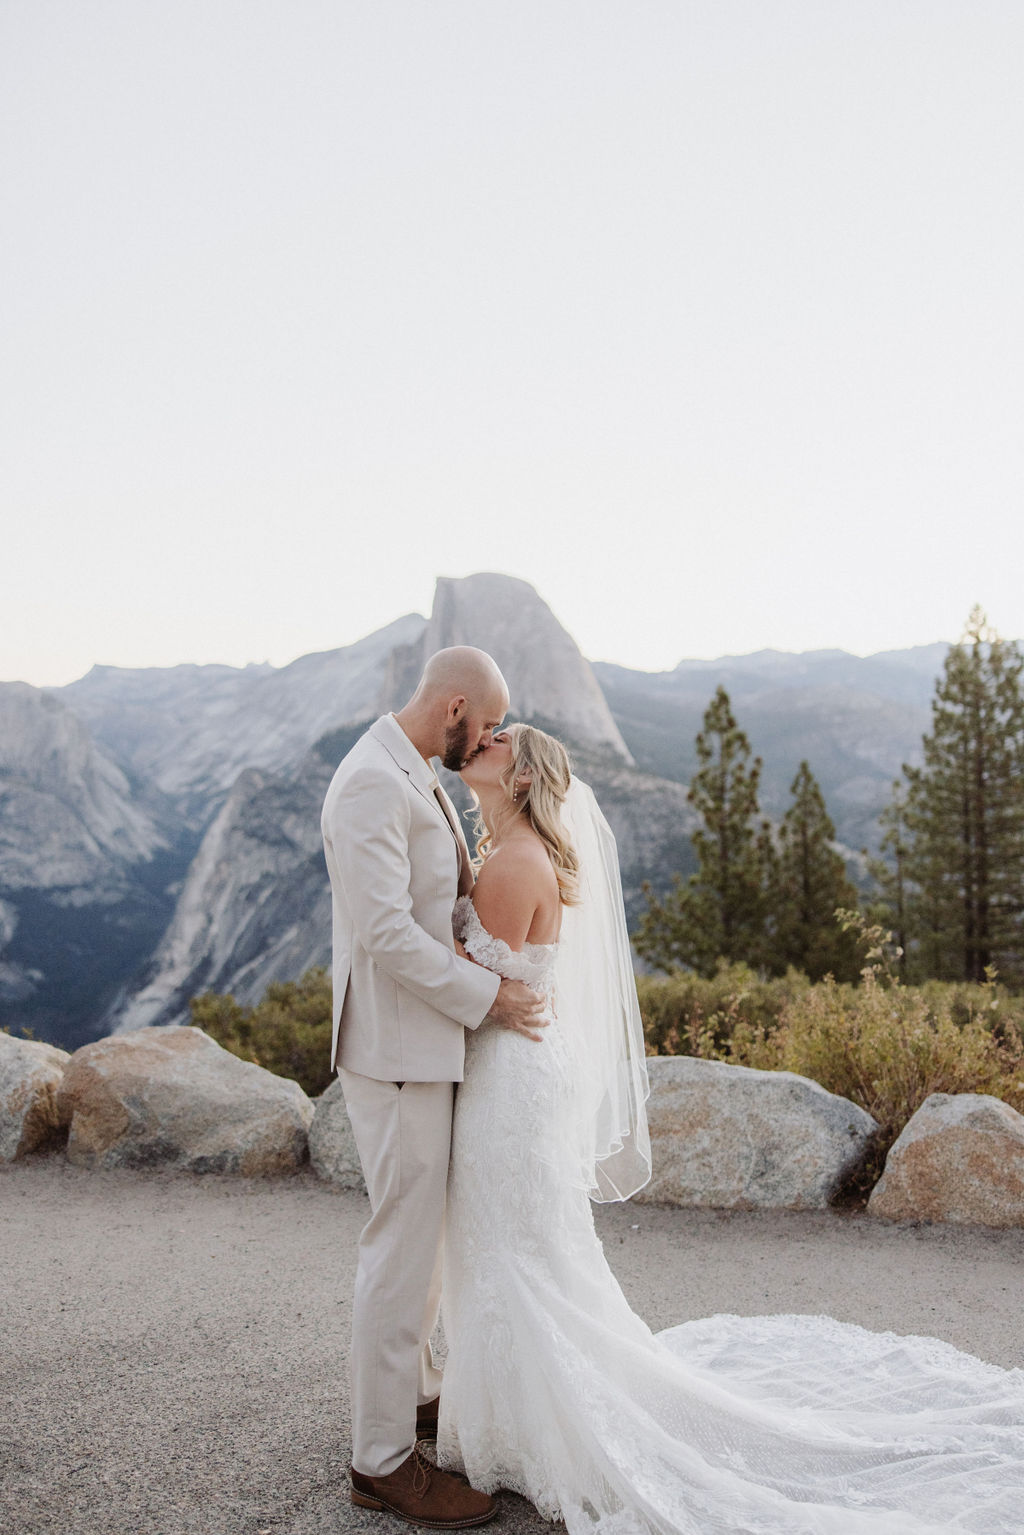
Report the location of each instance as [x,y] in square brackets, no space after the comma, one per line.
[426,1419]
[424,1494]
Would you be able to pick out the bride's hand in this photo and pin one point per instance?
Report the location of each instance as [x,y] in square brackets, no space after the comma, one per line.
[461,950]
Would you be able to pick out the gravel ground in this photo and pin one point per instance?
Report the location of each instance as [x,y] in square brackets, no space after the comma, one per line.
[174,1348]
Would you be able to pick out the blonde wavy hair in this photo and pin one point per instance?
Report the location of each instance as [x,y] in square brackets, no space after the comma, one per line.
[545,761]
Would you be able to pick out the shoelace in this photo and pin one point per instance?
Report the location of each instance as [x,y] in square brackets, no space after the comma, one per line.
[421,1473]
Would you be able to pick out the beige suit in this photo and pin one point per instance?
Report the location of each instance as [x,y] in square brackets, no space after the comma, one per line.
[402,997]
[401,994]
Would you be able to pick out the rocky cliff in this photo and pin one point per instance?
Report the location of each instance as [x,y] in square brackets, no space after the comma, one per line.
[84,853]
[68,816]
[160,827]
[253,906]
[192,729]
[256,906]
[547,676]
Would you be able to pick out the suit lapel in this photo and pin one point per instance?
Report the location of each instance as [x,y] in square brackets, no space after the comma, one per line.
[449,812]
[393,738]
[451,815]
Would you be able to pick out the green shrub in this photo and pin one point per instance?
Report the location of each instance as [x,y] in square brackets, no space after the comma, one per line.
[288,1033]
[688,1014]
[884,1046]
[881,1044]
[967,1000]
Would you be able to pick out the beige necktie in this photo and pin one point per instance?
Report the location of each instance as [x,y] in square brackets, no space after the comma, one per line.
[465,870]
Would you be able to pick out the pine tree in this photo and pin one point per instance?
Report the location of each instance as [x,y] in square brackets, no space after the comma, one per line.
[965,816]
[889,872]
[720,913]
[809,883]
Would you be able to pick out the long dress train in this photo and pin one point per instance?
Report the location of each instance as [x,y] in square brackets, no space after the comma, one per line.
[777,1425]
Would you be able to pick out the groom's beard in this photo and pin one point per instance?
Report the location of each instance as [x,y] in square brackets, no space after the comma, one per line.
[456,743]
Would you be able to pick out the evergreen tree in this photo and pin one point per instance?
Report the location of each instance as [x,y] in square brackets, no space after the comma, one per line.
[720,912]
[809,883]
[965,816]
[288,1033]
[890,873]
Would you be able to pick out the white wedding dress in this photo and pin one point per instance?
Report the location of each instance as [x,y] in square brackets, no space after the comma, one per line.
[777,1425]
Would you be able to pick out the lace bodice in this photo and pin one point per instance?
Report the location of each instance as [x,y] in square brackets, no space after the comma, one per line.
[534,963]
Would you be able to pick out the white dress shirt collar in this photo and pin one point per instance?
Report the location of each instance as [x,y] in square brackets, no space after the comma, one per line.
[390,733]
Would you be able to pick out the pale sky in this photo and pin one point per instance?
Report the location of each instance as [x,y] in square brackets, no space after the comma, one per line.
[705,317]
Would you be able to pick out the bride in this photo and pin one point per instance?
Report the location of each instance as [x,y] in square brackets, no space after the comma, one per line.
[554,1388]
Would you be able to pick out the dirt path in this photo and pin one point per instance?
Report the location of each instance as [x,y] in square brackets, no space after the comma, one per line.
[174,1348]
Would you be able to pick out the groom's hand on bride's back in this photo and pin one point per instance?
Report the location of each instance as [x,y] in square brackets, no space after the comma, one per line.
[519,1008]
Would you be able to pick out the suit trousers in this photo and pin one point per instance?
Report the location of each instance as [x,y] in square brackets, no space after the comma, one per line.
[403,1133]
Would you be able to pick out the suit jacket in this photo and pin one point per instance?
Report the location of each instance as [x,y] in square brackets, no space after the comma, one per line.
[402,996]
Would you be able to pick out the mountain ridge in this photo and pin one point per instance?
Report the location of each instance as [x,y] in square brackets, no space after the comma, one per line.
[914,656]
[211,775]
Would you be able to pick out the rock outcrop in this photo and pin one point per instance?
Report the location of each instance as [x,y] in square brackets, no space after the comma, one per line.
[83,855]
[192,729]
[31,1118]
[332,1146]
[960,1158]
[173,1098]
[68,815]
[548,677]
[730,1137]
[256,906]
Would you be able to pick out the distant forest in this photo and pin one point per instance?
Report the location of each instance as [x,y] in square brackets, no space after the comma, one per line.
[948,886]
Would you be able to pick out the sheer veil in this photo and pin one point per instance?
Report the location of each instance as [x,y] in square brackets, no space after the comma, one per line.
[596,1005]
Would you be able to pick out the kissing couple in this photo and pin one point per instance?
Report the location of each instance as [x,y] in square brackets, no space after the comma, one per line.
[489,1044]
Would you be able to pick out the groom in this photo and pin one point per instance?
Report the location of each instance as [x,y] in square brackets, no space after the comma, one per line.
[397,859]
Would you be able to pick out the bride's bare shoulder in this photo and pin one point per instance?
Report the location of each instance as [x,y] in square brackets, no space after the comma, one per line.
[514,884]
[522,861]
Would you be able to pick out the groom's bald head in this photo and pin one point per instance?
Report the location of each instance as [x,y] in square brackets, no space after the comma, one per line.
[466,670]
[460,699]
